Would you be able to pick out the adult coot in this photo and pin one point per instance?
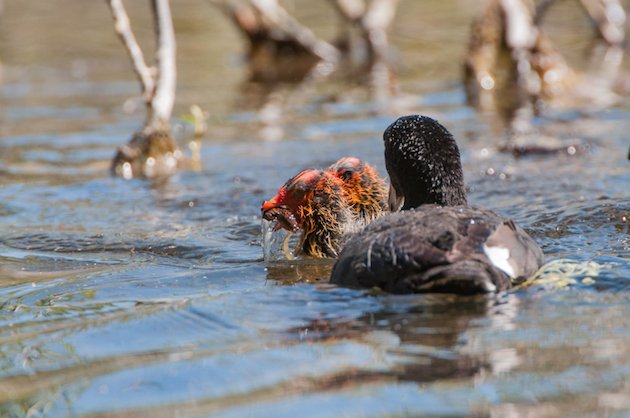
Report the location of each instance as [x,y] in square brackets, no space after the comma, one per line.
[437,243]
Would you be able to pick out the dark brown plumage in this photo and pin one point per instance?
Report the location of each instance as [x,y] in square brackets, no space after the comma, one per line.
[436,249]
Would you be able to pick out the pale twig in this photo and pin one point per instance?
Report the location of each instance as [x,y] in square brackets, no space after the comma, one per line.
[123,30]
[151,152]
[609,18]
[351,10]
[164,98]
[281,19]
[520,30]
[373,19]
[521,35]
[267,16]
[380,14]
[375,22]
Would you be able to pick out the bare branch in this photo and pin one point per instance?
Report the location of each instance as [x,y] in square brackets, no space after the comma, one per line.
[520,30]
[372,18]
[123,30]
[352,10]
[274,13]
[380,14]
[151,152]
[164,98]
[609,18]
[375,22]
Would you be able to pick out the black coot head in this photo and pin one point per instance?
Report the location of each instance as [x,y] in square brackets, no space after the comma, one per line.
[423,163]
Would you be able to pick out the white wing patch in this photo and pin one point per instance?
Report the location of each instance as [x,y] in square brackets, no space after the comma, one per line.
[499,256]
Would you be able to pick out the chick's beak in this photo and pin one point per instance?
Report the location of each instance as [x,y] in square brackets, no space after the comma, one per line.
[274,210]
[269,204]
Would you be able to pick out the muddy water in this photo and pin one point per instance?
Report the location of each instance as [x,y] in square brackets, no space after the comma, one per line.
[125,298]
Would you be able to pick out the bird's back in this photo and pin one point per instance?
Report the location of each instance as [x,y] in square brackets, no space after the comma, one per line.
[438,249]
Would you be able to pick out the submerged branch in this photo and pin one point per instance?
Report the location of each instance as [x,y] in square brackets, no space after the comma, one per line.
[351,10]
[520,28]
[372,18]
[609,18]
[152,151]
[267,20]
[280,19]
[378,16]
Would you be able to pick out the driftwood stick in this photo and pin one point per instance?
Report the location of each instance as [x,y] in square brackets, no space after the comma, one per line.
[609,18]
[380,14]
[375,22]
[520,30]
[352,10]
[521,35]
[152,151]
[372,18]
[164,98]
[123,30]
[281,19]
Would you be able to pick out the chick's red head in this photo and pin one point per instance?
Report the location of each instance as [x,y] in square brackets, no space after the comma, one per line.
[285,207]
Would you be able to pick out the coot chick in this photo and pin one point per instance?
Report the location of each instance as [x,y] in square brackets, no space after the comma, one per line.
[439,244]
[365,190]
[297,206]
[328,205]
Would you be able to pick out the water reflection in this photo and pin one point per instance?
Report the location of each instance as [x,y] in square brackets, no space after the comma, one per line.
[300,271]
[273,105]
[423,336]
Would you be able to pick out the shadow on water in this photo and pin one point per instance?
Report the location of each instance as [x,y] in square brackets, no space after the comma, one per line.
[129,299]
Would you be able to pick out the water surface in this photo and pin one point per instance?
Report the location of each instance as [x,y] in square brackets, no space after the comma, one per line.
[126,298]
